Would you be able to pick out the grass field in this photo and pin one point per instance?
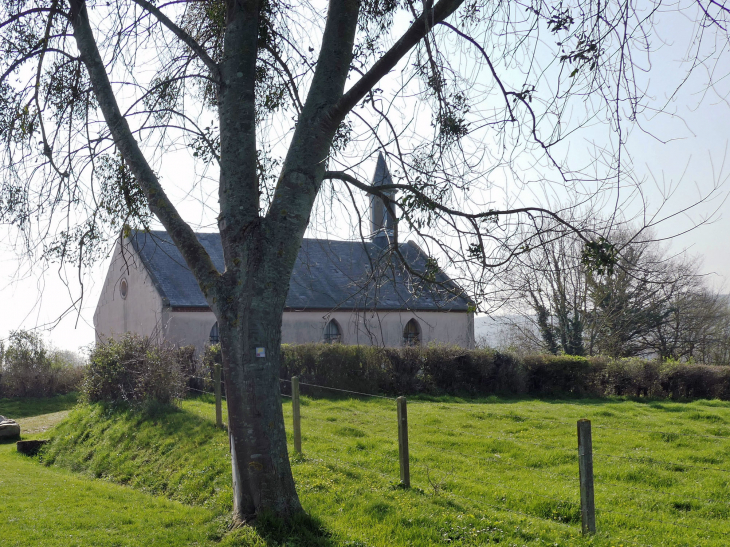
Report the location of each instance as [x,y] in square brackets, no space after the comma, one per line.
[492,471]
[54,507]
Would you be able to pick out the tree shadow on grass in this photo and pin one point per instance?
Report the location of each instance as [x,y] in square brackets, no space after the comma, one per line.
[302,530]
[26,407]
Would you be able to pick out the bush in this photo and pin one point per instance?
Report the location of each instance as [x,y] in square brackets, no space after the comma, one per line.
[204,378]
[29,369]
[690,381]
[136,370]
[432,370]
[355,368]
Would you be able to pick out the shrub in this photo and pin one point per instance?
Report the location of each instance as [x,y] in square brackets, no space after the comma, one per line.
[630,376]
[29,369]
[688,381]
[432,370]
[355,368]
[136,370]
[203,380]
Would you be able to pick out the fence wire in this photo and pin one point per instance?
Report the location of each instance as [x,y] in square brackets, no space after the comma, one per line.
[361,394]
[203,391]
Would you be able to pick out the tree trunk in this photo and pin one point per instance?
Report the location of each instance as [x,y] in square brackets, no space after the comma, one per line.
[262,478]
[250,334]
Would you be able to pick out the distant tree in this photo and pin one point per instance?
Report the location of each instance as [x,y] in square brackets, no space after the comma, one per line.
[694,326]
[715,349]
[551,279]
[647,303]
[268,99]
[631,299]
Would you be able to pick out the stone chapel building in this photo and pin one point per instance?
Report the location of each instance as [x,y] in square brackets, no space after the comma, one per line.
[351,292]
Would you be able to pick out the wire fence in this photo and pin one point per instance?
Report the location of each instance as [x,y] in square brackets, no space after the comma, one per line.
[496,471]
[447,449]
[196,390]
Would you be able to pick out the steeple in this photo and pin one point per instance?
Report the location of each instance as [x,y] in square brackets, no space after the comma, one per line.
[381,221]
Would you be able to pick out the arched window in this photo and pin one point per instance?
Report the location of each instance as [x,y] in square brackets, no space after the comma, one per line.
[214,337]
[123,288]
[412,334]
[332,332]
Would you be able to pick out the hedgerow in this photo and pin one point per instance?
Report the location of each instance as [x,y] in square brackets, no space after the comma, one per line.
[440,370]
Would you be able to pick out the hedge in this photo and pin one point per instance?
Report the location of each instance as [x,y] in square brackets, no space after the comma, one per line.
[440,370]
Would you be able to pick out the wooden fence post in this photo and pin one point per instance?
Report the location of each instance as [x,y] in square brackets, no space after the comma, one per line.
[405,468]
[585,468]
[217,389]
[296,415]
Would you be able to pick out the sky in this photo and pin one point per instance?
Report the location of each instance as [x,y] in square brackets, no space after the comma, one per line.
[682,157]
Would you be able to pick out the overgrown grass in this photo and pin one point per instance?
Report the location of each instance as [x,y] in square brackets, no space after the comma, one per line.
[489,471]
[506,471]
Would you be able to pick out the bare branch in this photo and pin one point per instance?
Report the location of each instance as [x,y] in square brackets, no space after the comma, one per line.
[184,37]
[414,34]
[379,191]
[195,255]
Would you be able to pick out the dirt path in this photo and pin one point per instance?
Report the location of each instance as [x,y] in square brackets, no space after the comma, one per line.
[41,423]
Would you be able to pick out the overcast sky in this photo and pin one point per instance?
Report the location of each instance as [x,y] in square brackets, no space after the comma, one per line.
[695,158]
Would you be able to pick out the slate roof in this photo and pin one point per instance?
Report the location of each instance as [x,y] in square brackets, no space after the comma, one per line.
[328,275]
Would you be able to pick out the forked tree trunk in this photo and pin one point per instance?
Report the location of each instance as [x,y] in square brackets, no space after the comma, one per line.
[260,251]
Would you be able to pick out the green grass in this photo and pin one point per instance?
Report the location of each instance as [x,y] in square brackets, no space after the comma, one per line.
[490,471]
[54,507]
[27,407]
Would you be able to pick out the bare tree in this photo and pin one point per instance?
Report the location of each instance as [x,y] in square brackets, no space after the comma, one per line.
[693,326]
[466,97]
[550,284]
[633,299]
[648,303]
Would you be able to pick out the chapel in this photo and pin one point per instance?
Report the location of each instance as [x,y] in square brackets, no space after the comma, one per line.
[349,292]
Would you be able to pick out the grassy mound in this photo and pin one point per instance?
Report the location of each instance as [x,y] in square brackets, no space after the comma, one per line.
[162,450]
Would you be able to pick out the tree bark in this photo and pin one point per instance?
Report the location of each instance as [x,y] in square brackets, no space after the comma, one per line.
[262,477]
[249,312]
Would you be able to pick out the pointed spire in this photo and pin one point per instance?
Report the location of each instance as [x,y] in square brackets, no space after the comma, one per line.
[381,220]
[382,175]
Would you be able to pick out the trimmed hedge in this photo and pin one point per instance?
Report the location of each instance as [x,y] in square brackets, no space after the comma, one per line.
[440,370]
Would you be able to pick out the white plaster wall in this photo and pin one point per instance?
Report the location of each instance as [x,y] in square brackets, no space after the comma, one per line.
[193,328]
[382,328]
[140,312]
[185,328]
